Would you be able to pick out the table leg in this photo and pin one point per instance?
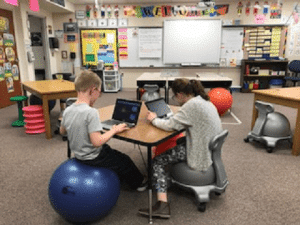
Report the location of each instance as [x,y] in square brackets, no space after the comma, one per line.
[150,183]
[167,94]
[25,94]
[296,138]
[47,117]
[254,113]
[138,97]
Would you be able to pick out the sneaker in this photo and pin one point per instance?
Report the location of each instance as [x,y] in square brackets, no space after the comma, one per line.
[143,186]
[160,209]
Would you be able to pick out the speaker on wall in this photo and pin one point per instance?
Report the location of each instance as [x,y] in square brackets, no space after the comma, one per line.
[53,42]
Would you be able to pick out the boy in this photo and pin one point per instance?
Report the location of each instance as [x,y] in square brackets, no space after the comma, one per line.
[82,123]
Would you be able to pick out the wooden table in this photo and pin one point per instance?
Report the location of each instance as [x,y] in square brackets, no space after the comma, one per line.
[145,134]
[282,96]
[208,80]
[49,90]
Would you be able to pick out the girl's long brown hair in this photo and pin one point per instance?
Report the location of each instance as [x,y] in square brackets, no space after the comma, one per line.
[189,87]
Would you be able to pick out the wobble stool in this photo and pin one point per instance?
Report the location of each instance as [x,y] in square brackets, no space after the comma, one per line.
[19,99]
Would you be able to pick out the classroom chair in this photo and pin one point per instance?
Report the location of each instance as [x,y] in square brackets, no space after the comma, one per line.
[202,183]
[294,66]
[19,99]
[69,102]
[63,76]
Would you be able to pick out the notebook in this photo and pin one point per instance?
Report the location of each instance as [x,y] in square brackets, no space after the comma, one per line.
[125,111]
[160,107]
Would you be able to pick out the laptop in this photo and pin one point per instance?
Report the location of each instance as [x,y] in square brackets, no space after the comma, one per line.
[125,111]
[160,107]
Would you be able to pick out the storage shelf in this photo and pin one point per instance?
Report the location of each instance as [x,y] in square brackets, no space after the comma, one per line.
[280,76]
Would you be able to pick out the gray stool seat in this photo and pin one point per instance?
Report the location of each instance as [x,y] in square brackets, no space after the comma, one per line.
[214,179]
[182,173]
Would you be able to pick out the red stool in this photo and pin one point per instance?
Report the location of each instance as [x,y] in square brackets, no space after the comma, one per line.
[35,123]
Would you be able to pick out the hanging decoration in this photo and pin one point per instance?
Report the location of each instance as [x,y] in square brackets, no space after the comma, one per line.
[116,11]
[108,10]
[103,11]
[12,2]
[88,11]
[95,10]
[256,8]
[275,11]
[138,12]
[260,19]
[176,10]
[248,5]
[239,8]
[266,8]
[34,5]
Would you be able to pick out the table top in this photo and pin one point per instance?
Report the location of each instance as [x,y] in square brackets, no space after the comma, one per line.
[144,132]
[50,86]
[198,76]
[292,93]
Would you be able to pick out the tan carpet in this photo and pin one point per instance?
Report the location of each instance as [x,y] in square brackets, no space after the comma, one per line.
[263,189]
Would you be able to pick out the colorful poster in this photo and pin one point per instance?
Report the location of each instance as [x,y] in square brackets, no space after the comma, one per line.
[2,77]
[10,54]
[1,40]
[15,72]
[10,84]
[2,55]
[4,24]
[7,69]
[8,39]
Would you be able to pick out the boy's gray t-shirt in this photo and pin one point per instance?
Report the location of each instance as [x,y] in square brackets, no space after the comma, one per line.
[80,120]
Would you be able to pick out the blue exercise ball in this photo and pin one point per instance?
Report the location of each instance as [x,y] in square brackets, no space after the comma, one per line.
[34,100]
[82,193]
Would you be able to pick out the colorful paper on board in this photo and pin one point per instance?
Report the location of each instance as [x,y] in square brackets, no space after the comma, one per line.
[10,84]
[15,72]
[2,77]
[4,24]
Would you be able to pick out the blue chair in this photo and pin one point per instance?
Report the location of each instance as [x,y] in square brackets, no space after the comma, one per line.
[294,66]
[202,183]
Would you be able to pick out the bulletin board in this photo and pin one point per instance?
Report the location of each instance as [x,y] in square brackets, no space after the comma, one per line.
[10,83]
[98,44]
[265,42]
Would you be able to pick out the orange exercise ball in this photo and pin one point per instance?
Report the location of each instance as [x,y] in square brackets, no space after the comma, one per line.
[221,98]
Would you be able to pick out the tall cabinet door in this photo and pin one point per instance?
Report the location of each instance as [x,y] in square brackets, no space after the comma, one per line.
[10,84]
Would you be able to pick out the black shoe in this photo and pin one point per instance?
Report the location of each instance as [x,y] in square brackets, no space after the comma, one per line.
[160,209]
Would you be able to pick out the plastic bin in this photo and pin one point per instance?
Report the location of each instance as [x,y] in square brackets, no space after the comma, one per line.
[276,83]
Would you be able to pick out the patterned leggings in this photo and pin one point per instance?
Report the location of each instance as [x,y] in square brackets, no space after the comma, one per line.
[173,155]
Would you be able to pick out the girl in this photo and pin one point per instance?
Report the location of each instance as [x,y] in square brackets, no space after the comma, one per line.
[201,120]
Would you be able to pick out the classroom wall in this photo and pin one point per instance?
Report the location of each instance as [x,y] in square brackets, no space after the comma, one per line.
[20,14]
[130,75]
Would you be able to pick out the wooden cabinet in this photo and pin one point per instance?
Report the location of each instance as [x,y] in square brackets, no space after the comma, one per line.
[261,72]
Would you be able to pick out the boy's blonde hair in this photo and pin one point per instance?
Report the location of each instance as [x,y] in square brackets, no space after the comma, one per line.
[87,79]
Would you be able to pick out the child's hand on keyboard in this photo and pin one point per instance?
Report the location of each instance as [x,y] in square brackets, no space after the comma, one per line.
[119,128]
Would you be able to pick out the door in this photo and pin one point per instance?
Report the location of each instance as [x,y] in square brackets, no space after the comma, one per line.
[38,45]
[10,84]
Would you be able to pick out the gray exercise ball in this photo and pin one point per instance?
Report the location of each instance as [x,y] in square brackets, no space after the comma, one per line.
[151,92]
[277,125]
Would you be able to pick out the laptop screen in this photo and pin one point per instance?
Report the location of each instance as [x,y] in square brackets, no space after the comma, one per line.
[127,111]
[159,106]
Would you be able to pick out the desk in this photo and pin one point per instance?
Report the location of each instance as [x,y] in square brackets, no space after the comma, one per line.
[208,80]
[49,90]
[145,134]
[282,96]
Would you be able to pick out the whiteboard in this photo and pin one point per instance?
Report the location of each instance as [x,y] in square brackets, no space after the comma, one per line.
[232,44]
[192,41]
[133,59]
